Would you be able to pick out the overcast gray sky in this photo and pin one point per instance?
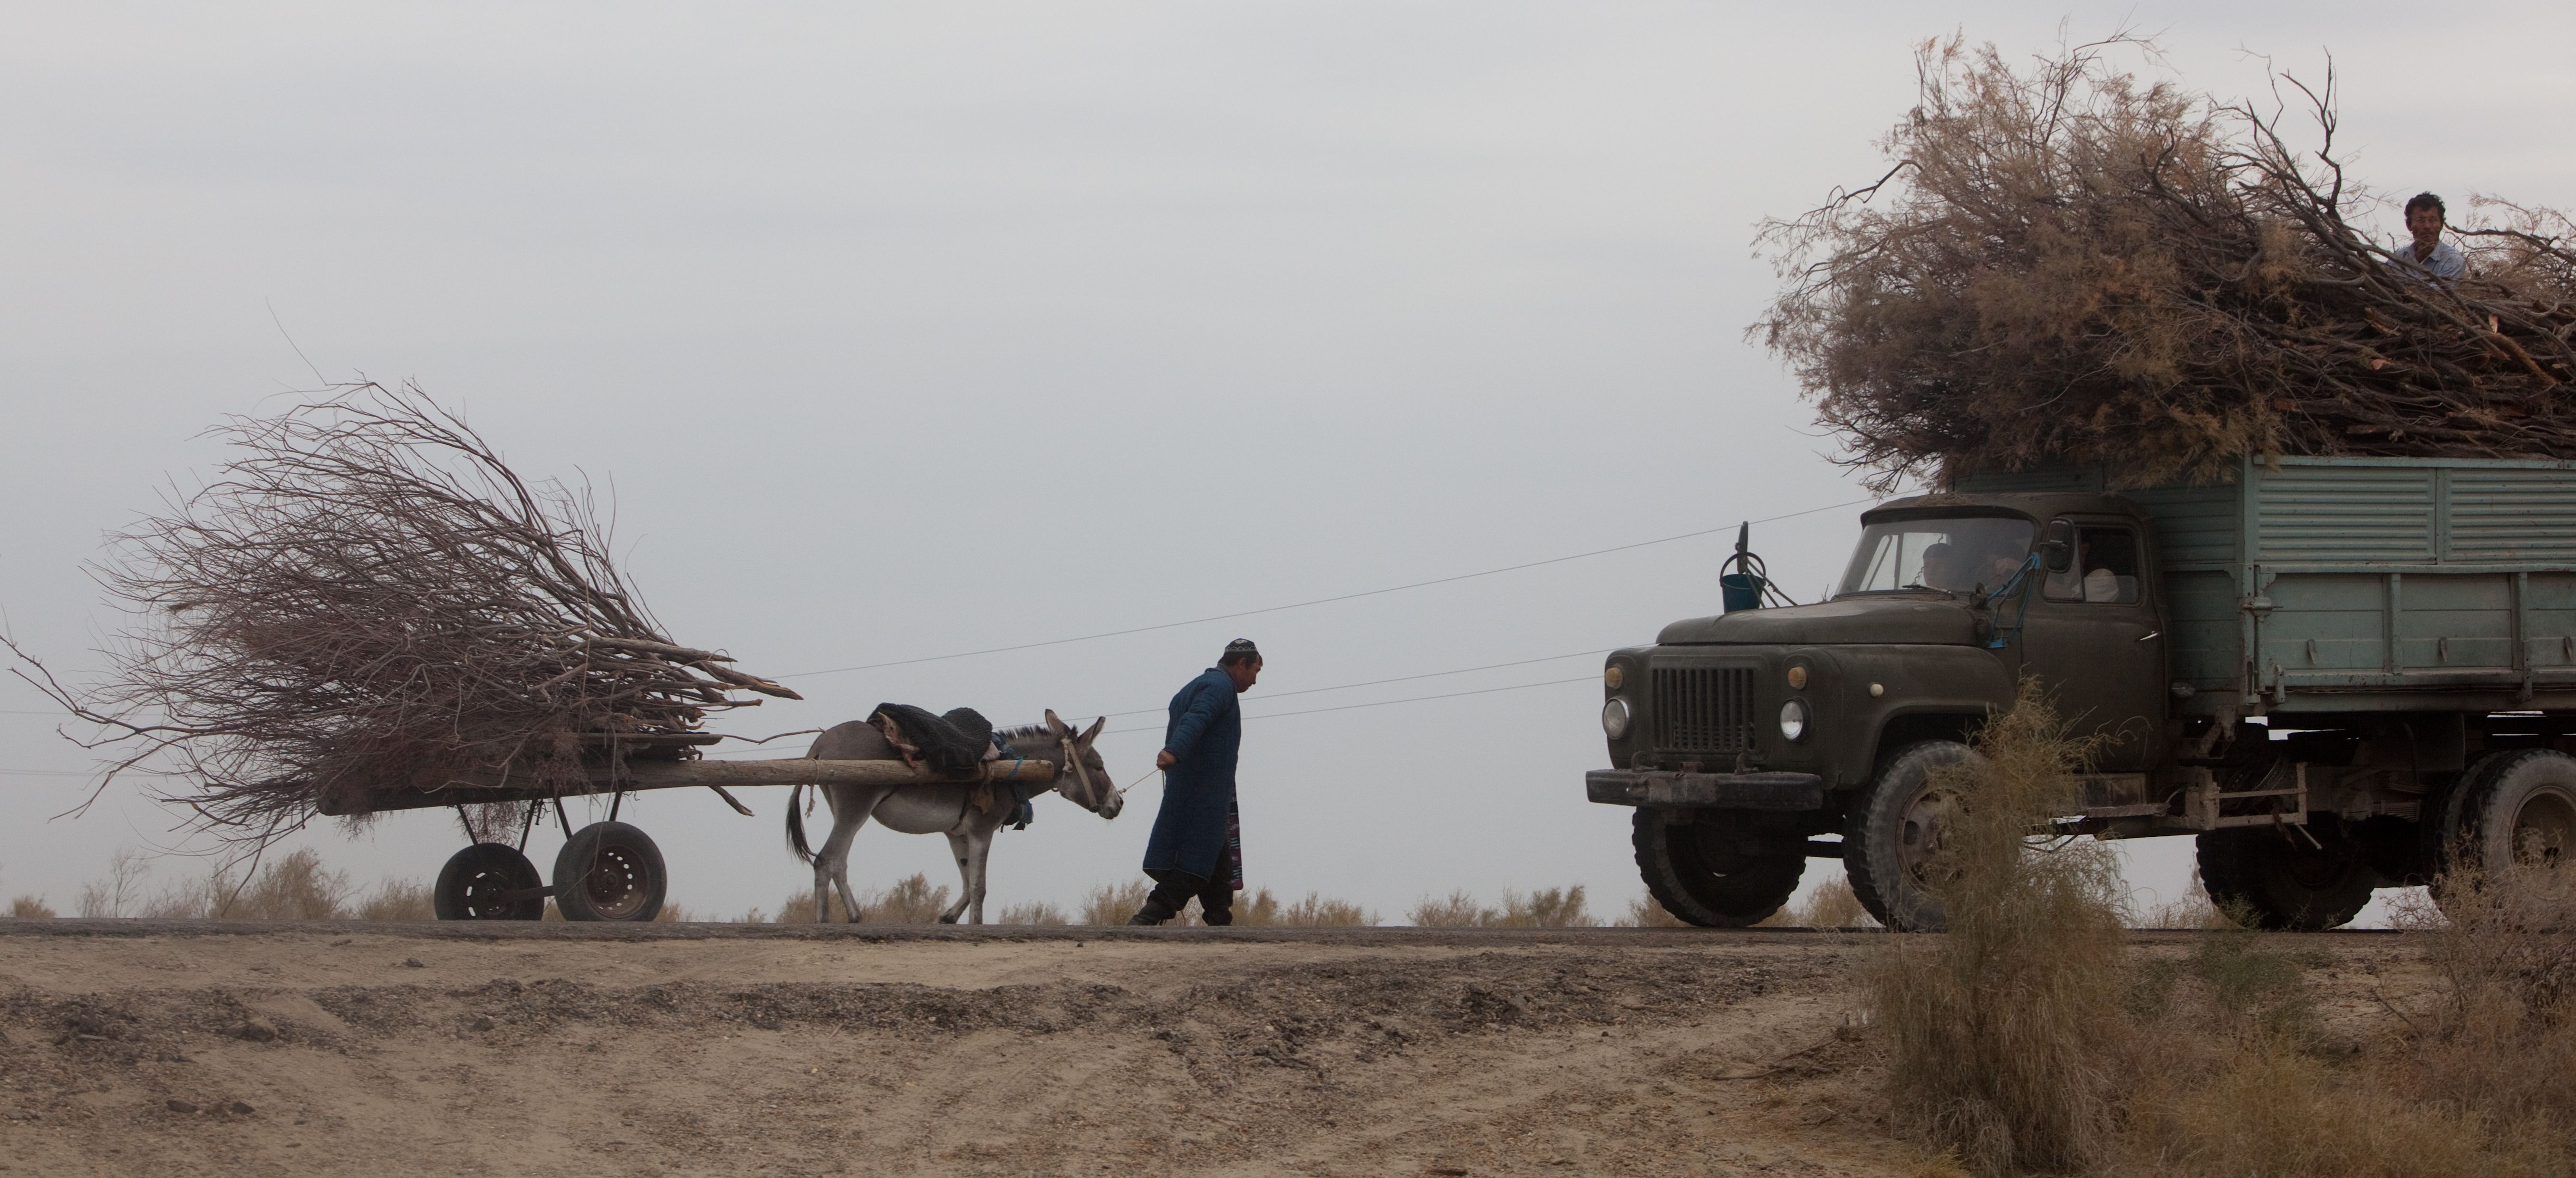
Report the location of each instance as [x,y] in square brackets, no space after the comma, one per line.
[908,330]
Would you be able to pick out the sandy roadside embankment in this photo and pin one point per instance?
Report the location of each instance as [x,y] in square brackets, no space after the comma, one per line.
[313,1049]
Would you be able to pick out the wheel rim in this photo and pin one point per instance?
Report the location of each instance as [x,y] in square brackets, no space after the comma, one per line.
[2544,828]
[614,885]
[484,891]
[1918,834]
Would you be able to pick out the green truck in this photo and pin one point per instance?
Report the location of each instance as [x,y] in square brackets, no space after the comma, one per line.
[2337,674]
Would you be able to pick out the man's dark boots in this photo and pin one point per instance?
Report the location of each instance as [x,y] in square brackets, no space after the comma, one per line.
[1154,912]
[1217,917]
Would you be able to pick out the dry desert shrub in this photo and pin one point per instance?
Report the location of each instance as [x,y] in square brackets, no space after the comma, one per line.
[2193,910]
[1543,908]
[1035,912]
[911,900]
[30,908]
[1832,905]
[1997,1031]
[1644,912]
[1315,911]
[398,900]
[1114,903]
[1455,910]
[121,891]
[293,886]
[2275,1110]
[2502,1038]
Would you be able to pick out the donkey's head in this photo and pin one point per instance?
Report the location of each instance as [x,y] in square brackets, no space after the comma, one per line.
[1083,779]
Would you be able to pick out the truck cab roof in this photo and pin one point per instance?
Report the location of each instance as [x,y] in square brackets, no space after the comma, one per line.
[2039,508]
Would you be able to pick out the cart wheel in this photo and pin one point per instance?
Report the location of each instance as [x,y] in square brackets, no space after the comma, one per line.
[610,871]
[489,881]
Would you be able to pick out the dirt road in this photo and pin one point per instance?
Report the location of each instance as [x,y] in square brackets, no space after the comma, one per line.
[143,1049]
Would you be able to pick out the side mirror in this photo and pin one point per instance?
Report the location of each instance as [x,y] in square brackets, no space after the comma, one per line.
[2057,545]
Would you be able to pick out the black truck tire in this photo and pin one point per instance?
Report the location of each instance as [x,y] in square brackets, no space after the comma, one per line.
[2281,881]
[475,880]
[610,871]
[1891,833]
[2513,808]
[1717,870]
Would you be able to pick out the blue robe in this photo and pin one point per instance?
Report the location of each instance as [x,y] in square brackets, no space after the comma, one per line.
[1191,832]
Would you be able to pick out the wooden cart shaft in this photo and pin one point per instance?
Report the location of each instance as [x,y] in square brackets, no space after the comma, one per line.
[639,775]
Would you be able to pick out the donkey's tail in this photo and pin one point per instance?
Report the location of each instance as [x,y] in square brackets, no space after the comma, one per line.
[796,826]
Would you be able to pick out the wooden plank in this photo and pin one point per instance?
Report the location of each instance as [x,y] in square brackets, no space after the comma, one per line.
[698,774]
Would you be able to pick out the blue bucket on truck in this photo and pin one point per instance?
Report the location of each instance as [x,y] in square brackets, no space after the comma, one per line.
[1741,591]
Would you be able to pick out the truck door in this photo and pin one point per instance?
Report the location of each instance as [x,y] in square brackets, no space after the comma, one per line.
[2094,640]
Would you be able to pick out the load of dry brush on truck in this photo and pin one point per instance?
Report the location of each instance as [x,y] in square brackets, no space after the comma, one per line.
[368,597]
[2067,264]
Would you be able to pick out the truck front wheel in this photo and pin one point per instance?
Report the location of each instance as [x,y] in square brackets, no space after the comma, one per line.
[1894,830]
[1719,869]
[2281,880]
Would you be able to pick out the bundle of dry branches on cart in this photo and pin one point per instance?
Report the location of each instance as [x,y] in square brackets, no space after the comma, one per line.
[366,598]
[2066,264]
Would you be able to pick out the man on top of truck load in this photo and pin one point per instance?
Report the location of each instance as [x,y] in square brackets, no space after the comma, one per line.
[2430,255]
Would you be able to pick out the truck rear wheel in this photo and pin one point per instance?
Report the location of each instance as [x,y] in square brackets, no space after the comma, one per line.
[2281,881]
[1717,870]
[1894,830]
[2513,808]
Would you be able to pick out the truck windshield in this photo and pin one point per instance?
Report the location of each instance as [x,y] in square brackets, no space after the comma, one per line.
[1955,554]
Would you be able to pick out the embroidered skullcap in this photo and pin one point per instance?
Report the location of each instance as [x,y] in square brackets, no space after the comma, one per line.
[1242,648]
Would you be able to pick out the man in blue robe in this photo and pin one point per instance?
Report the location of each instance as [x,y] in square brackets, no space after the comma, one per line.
[1196,849]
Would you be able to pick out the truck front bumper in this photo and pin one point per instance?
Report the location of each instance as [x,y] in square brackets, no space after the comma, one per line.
[1733,791]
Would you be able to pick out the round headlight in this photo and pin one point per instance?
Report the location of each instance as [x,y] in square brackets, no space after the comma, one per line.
[1793,720]
[1614,718]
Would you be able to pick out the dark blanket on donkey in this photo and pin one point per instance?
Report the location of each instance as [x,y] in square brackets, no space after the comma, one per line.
[952,745]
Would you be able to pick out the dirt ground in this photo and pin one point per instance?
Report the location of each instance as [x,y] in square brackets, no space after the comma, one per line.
[139,1048]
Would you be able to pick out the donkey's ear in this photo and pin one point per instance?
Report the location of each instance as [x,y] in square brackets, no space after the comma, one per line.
[1056,726]
[1085,739]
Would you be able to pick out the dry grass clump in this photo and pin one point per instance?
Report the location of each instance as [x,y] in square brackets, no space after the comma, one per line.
[1317,910]
[367,597]
[293,886]
[2502,1039]
[1996,1031]
[1543,908]
[2067,262]
[2274,1110]
[1644,912]
[30,908]
[398,900]
[1832,905]
[910,900]
[1035,913]
[2192,910]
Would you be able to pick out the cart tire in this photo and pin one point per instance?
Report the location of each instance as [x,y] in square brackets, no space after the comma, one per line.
[1892,834]
[1717,871]
[474,878]
[2283,883]
[610,871]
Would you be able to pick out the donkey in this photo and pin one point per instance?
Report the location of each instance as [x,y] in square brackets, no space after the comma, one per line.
[938,807]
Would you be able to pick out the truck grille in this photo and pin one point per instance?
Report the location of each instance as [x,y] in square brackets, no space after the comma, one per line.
[1703,709]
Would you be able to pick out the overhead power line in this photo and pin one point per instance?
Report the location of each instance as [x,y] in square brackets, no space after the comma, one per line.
[1388,702]
[1272,609]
